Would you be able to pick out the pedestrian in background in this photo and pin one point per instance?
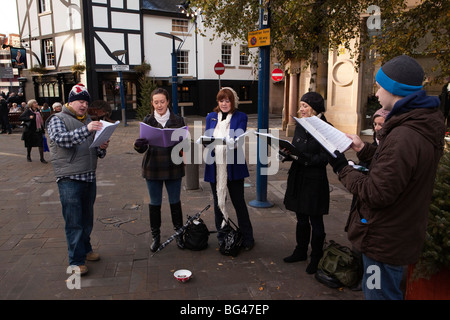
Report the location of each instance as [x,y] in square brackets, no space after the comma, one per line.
[71,132]
[158,169]
[57,107]
[388,223]
[4,110]
[33,129]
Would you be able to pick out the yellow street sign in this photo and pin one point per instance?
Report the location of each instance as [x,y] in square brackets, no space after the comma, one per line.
[259,38]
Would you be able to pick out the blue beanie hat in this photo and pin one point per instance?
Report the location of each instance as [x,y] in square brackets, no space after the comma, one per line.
[401,76]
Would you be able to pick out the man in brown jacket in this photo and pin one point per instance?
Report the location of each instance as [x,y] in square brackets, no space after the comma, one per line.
[387,224]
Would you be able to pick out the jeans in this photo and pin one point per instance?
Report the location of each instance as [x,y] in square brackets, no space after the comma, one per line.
[155,190]
[77,200]
[381,281]
[236,191]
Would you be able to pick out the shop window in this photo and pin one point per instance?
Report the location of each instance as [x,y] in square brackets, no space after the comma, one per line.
[49,90]
[184,93]
[244,93]
[111,94]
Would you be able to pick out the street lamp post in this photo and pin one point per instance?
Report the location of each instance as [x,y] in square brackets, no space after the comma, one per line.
[174,69]
[263,108]
[117,54]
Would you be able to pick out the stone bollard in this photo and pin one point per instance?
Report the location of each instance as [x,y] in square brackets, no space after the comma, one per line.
[192,174]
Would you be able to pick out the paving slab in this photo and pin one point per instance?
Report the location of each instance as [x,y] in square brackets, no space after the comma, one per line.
[33,252]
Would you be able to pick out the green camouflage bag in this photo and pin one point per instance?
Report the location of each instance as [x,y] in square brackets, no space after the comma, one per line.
[341,263]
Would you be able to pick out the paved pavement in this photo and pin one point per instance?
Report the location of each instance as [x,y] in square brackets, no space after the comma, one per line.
[33,251]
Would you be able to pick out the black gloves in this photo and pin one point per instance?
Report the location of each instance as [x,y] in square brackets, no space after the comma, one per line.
[337,163]
[284,156]
[140,143]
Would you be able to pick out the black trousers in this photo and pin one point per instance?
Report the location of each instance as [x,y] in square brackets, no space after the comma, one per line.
[316,222]
[236,192]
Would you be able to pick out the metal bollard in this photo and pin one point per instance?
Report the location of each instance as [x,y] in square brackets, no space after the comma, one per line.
[192,174]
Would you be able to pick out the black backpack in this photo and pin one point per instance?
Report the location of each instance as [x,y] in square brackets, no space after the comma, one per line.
[196,235]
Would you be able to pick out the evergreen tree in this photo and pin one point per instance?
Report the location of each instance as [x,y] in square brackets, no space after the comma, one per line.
[146,85]
[436,252]
[144,108]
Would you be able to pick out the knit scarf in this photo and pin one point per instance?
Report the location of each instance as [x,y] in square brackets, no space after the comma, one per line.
[39,121]
[221,131]
[81,118]
[162,119]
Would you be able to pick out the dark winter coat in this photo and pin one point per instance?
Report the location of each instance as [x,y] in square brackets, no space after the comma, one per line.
[307,189]
[157,163]
[394,197]
[32,136]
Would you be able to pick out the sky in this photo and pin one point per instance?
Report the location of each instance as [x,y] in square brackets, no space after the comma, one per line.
[8,19]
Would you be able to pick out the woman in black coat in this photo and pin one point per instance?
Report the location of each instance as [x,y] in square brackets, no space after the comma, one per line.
[307,192]
[33,132]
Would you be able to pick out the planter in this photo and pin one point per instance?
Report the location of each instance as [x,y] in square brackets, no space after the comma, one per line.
[435,288]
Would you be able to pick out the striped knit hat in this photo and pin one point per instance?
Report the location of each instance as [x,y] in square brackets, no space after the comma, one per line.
[79,92]
[401,76]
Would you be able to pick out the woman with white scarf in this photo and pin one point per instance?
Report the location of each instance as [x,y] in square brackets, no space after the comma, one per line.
[226,168]
[33,133]
[158,169]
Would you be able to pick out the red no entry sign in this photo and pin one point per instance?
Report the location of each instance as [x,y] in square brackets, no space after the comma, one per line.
[277,75]
[219,68]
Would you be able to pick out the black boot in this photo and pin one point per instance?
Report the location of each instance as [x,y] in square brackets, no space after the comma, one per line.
[155,225]
[316,252]
[29,154]
[41,153]
[302,234]
[177,220]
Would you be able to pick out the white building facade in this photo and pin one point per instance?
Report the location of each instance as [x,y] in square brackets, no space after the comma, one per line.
[62,36]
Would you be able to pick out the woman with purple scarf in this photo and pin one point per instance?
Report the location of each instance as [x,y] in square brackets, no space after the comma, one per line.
[33,132]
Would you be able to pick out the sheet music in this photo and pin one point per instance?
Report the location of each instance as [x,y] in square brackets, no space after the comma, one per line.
[103,135]
[162,137]
[205,140]
[328,136]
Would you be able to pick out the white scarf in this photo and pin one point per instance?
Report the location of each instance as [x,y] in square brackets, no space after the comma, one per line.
[162,119]
[221,131]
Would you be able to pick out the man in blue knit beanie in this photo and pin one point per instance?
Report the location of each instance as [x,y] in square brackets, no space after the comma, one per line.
[388,223]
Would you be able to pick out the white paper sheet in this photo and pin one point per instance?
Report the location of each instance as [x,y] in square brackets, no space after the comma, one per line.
[103,135]
[328,136]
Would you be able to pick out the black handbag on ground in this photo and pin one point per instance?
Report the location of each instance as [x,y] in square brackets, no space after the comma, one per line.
[232,240]
[196,235]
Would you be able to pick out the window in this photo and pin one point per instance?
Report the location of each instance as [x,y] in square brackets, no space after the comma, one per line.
[49,90]
[49,52]
[111,94]
[243,56]
[44,6]
[184,93]
[244,93]
[226,54]
[179,25]
[183,62]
